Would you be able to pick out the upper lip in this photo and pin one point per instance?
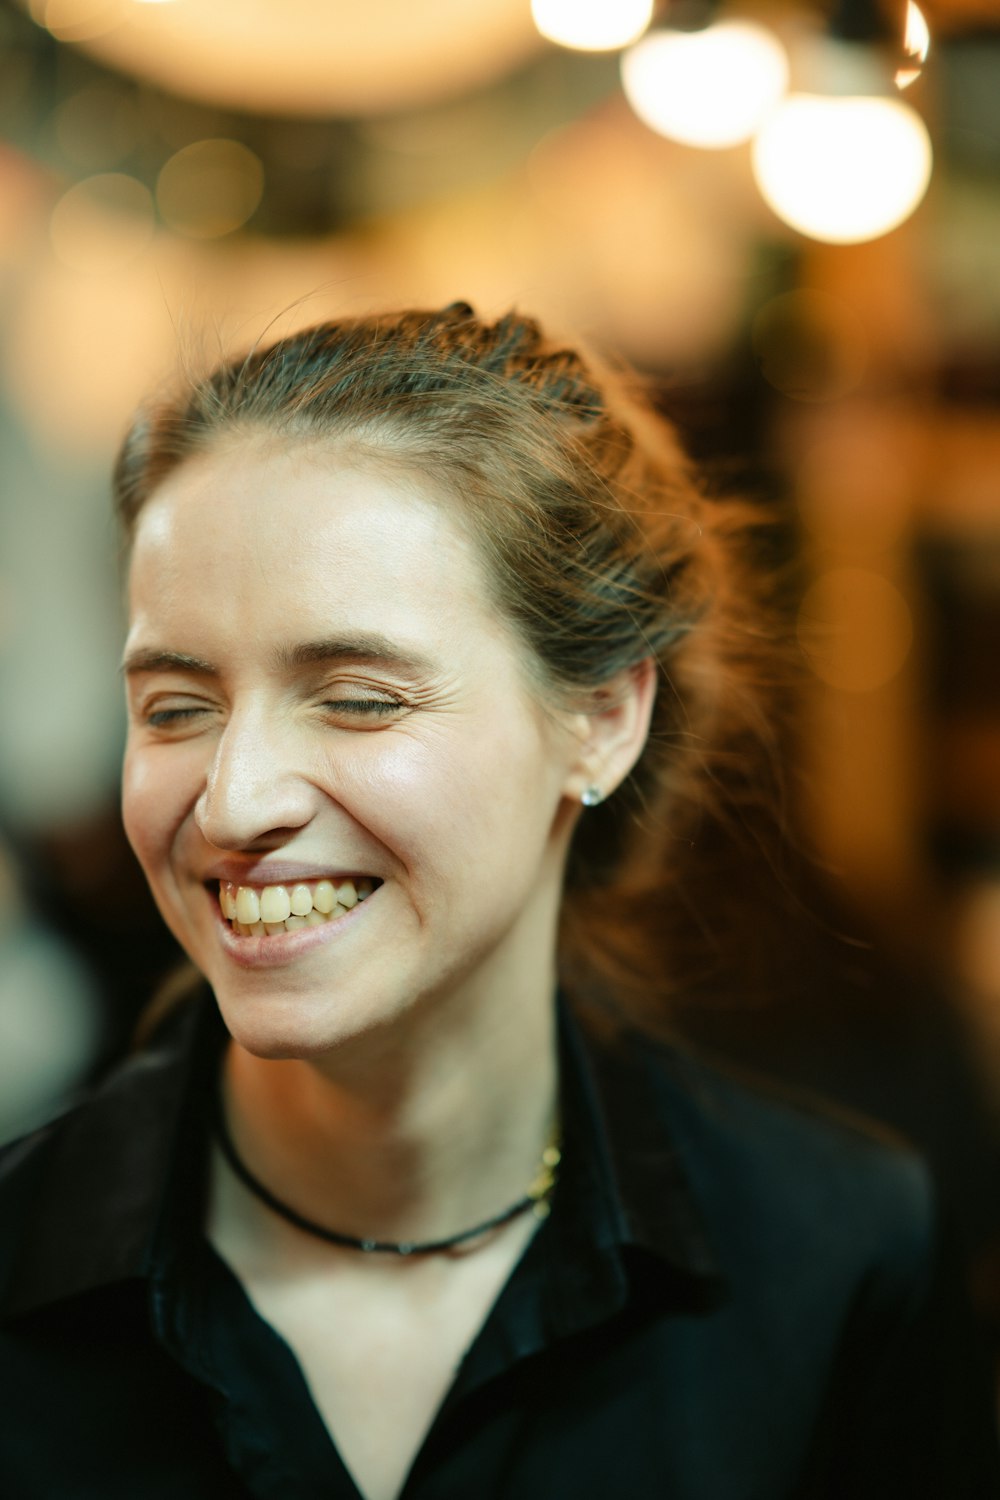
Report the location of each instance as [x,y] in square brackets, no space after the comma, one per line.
[277,872]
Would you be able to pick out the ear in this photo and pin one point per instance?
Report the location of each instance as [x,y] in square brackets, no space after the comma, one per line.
[612,733]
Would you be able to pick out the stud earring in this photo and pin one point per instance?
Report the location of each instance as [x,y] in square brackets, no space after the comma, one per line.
[591,796]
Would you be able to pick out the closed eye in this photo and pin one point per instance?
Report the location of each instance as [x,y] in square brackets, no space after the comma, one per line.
[361,706]
[160,717]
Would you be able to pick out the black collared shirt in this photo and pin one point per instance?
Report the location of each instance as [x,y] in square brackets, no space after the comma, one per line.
[732,1299]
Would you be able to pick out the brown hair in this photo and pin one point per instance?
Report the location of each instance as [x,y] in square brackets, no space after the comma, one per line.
[602,551]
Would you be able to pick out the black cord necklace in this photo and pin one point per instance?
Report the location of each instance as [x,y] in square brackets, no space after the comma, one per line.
[536,1198]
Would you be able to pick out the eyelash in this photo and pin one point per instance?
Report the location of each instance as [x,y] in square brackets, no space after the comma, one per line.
[161,717]
[363,705]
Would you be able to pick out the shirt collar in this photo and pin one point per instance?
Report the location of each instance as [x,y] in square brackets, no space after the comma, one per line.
[106,1178]
[625,1085]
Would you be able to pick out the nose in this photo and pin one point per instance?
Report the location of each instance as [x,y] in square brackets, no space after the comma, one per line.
[255,794]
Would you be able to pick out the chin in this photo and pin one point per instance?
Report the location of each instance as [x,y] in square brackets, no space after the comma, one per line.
[280,1027]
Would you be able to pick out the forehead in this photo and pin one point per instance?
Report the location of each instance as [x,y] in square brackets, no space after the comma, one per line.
[282,533]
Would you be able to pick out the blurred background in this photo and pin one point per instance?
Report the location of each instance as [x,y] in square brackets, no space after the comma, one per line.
[786,214]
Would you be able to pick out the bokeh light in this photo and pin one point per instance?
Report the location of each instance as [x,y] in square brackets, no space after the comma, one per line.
[710,88]
[210,188]
[312,58]
[592,25]
[854,487]
[855,629]
[102,223]
[809,346]
[842,170]
[916,46]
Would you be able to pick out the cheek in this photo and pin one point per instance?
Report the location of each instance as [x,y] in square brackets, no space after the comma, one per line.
[406,792]
[462,794]
[152,799]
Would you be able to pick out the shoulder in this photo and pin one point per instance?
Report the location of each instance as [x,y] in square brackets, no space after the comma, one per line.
[761,1126]
[135,1089]
[781,1176]
[79,1197]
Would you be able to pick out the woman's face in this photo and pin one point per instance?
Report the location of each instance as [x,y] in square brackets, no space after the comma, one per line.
[321,695]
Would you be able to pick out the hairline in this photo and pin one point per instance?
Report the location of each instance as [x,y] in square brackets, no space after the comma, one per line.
[432,480]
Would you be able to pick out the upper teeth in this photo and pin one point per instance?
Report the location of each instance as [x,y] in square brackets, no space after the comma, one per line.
[248,904]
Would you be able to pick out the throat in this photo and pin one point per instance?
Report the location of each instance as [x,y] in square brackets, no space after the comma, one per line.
[404,1328]
[535,1200]
[432,1161]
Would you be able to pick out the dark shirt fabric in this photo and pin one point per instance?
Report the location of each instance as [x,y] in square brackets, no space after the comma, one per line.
[733,1298]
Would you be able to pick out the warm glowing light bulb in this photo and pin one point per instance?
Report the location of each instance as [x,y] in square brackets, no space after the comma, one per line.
[709,88]
[843,170]
[916,45]
[592,25]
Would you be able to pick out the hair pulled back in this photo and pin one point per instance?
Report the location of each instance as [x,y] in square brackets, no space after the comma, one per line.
[600,547]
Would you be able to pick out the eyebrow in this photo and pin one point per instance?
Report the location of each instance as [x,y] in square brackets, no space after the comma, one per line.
[153,659]
[375,649]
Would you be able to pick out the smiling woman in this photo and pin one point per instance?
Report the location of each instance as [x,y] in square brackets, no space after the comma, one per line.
[433,645]
[407,750]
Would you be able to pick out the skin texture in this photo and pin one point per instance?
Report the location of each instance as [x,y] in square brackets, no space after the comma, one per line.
[421,775]
[427,760]
[393,1073]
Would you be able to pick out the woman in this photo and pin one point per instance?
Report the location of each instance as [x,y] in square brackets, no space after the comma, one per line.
[409,598]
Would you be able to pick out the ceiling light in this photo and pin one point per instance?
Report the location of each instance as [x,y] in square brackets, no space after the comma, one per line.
[709,88]
[843,169]
[592,25]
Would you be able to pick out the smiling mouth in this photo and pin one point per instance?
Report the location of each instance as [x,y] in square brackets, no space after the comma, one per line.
[263,911]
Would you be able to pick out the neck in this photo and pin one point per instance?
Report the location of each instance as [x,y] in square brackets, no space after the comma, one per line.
[410,1134]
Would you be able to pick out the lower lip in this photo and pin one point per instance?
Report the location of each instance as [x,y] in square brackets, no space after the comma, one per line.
[278,949]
